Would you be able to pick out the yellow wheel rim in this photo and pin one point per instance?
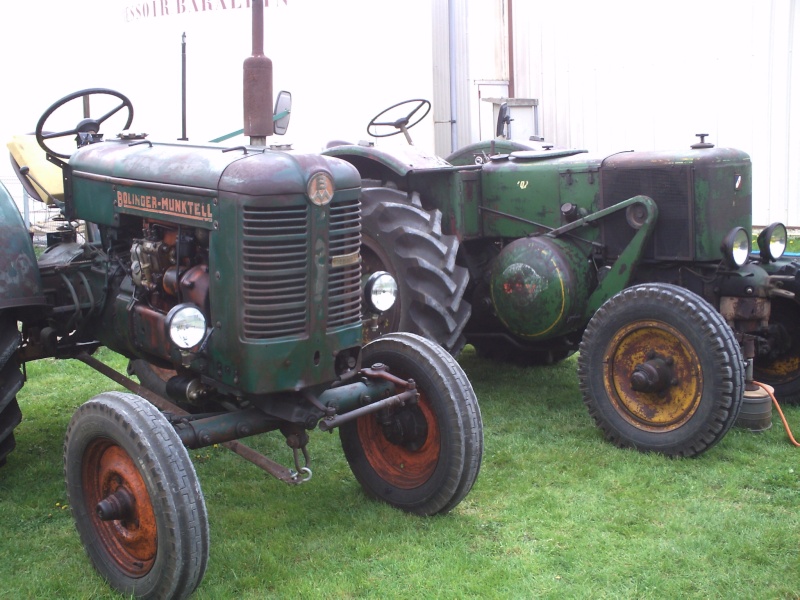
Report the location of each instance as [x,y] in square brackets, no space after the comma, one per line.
[681,393]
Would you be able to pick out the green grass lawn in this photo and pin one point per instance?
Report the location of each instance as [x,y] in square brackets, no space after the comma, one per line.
[556,511]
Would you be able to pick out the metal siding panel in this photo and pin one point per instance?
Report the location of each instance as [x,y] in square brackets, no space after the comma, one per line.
[604,82]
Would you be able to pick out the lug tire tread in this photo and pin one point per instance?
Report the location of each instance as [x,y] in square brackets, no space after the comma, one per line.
[11,382]
[432,285]
[719,340]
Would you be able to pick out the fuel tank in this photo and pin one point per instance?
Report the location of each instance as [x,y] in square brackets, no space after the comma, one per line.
[540,287]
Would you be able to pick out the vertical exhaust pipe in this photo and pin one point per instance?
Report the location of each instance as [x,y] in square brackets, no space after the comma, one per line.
[258,85]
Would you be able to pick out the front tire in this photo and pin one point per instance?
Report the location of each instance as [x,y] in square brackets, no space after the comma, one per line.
[661,371]
[11,382]
[422,458]
[135,498]
[402,238]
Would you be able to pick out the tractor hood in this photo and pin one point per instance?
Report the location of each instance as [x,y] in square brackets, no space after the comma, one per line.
[156,176]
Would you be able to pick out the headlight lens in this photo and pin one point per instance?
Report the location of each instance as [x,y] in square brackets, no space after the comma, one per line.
[186,325]
[380,292]
[736,247]
[772,242]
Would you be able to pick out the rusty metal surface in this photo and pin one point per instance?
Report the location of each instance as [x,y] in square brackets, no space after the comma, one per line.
[391,402]
[744,309]
[124,521]
[217,429]
[258,84]
[653,376]
[270,466]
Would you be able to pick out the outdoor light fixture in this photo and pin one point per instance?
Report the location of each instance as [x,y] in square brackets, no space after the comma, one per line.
[380,292]
[772,242]
[736,247]
[186,326]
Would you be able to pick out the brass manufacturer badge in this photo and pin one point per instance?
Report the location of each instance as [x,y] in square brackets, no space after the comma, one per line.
[320,188]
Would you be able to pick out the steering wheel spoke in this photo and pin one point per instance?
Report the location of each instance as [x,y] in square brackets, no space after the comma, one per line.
[86,123]
[401,125]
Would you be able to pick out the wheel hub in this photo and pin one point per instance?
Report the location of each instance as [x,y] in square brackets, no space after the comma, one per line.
[652,376]
[407,428]
[655,375]
[125,522]
[116,507]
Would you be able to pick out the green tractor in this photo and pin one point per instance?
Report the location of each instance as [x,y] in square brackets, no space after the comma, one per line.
[237,271]
[639,260]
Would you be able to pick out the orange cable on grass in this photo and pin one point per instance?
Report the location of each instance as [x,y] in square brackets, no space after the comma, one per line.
[780,412]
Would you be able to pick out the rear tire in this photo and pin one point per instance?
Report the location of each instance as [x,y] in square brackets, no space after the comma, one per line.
[11,382]
[402,238]
[121,451]
[434,467]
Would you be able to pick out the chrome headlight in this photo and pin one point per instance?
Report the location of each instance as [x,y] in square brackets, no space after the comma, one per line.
[380,292]
[736,247]
[772,242]
[186,326]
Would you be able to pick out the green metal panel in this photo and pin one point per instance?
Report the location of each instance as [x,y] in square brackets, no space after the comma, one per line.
[20,283]
[701,193]
[270,263]
[523,196]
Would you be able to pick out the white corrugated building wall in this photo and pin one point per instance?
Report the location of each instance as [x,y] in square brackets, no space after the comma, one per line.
[608,76]
[626,74]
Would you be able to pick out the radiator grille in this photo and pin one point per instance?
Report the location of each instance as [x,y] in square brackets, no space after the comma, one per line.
[276,266]
[670,188]
[344,283]
[275,271]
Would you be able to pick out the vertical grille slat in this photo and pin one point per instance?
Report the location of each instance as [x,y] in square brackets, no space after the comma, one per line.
[276,264]
[344,283]
[275,271]
[670,187]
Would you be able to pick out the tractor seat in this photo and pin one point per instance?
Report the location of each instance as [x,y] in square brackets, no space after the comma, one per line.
[26,152]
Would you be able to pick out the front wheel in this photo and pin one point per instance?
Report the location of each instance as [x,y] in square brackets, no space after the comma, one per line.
[135,498]
[661,371]
[422,458]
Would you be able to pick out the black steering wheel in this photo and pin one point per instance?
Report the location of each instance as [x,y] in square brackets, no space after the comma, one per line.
[87,125]
[403,124]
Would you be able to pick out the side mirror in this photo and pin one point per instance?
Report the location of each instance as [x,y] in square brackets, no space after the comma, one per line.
[283,110]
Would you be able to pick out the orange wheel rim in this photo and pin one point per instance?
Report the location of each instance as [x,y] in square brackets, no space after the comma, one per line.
[664,410]
[133,540]
[398,465]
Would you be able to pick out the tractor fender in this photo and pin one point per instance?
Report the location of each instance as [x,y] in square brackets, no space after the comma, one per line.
[374,163]
[20,282]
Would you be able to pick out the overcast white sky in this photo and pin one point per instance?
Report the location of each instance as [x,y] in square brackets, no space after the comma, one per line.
[343,61]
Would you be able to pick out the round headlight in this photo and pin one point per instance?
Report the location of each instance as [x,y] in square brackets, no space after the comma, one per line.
[186,326]
[736,247]
[772,242]
[380,292]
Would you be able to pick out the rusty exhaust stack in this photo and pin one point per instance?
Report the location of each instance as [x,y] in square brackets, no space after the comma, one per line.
[258,84]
